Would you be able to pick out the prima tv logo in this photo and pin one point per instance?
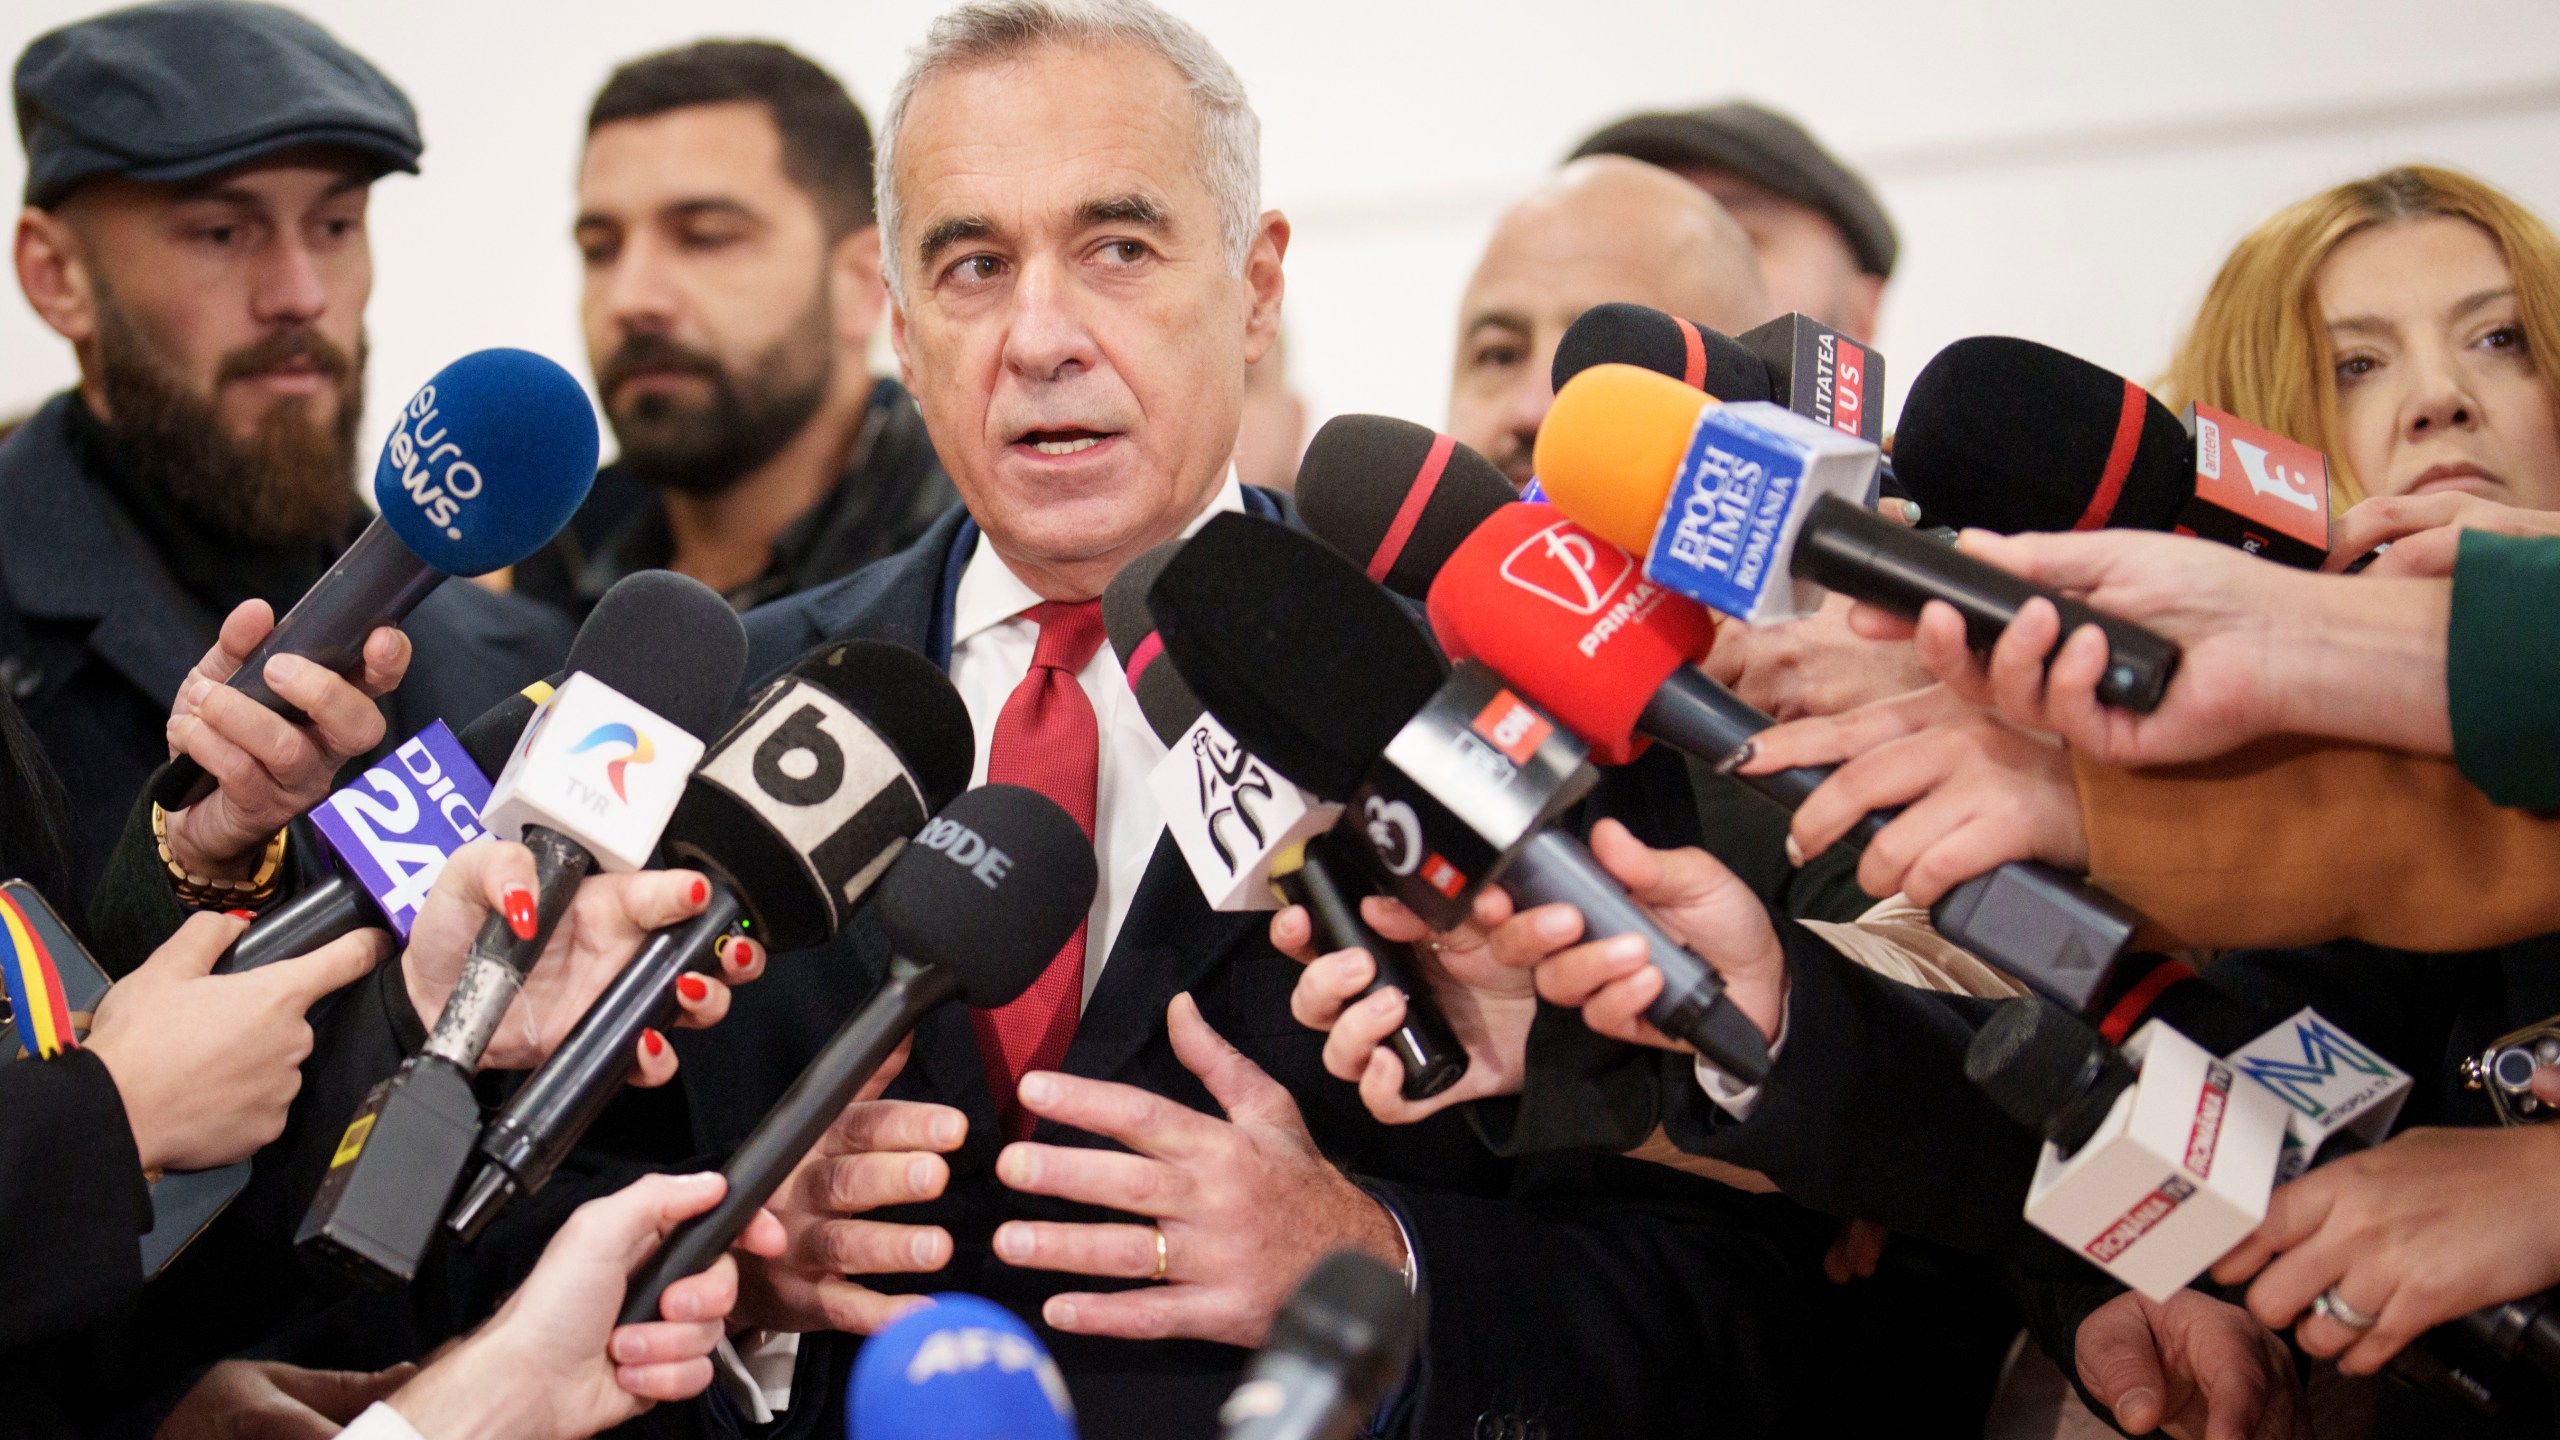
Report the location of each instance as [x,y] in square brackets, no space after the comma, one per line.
[1566,567]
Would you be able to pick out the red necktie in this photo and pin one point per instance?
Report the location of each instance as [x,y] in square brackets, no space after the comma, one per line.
[1046,740]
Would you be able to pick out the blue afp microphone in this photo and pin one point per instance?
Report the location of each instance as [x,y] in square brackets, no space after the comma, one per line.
[489,459]
[961,1368]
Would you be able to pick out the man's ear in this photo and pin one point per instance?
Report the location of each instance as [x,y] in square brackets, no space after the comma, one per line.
[853,274]
[1264,284]
[55,276]
[898,344]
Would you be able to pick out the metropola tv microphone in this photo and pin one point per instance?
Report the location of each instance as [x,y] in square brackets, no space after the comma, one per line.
[1742,508]
[486,463]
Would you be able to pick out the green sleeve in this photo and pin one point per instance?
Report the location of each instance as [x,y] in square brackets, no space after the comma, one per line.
[2502,667]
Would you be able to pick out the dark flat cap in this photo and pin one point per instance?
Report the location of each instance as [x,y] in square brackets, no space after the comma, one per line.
[190,88]
[1766,148]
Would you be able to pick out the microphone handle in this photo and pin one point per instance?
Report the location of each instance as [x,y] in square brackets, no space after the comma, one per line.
[527,1140]
[791,1127]
[377,582]
[2529,1328]
[335,907]
[1867,557]
[1696,716]
[493,969]
[1551,866]
[1290,1397]
[1325,883]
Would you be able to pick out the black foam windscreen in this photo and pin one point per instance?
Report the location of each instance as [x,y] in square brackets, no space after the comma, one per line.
[1353,1316]
[1310,666]
[1163,698]
[1696,356]
[2047,1069]
[669,642]
[990,890]
[1395,497]
[2009,435]
[490,739]
[806,799]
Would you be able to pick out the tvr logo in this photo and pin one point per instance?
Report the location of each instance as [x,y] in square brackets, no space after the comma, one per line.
[639,752]
[2282,481]
[1565,566]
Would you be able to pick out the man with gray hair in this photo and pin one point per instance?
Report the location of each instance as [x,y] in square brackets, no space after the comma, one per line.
[1143,1154]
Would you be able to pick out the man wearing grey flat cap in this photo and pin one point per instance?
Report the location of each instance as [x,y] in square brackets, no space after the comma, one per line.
[197,180]
[1826,246]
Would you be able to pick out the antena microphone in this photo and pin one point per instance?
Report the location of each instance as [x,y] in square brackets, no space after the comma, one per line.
[1336,1351]
[489,459]
[961,1368]
[975,909]
[1455,785]
[793,814]
[1249,833]
[2010,435]
[1565,616]
[592,783]
[1742,508]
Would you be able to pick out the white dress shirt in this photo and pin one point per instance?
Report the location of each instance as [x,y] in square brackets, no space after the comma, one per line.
[992,639]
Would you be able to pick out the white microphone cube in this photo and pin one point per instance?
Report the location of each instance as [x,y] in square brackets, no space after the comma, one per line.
[2177,1174]
[598,767]
[1728,530]
[1230,814]
[2328,1082]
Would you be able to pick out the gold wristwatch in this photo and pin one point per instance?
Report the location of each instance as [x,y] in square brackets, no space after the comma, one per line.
[197,893]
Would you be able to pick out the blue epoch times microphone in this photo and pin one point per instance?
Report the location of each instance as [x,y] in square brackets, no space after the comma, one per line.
[486,463]
[961,1368]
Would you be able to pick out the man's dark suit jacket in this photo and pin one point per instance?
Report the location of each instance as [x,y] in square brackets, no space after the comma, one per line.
[1577,1295]
[95,638]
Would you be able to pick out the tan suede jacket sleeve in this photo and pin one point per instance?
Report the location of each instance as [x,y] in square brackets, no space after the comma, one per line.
[2293,841]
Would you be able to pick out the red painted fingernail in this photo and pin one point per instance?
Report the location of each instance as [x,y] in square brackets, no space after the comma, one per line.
[653,1042]
[701,890]
[241,914]
[692,988]
[519,902]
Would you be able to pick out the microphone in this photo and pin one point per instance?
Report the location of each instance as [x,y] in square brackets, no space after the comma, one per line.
[1742,508]
[592,783]
[793,814]
[2009,435]
[1211,788]
[975,909]
[1454,784]
[961,1368]
[489,459]
[1336,1351]
[1395,497]
[1565,616]
[1795,362]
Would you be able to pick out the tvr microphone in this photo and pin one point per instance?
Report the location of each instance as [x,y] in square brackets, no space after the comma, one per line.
[2009,435]
[592,783]
[1455,785]
[961,1368]
[1742,508]
[1336,1352]
[975,909]
[1566,617]
[793,814]
[1253,839]
[485,464]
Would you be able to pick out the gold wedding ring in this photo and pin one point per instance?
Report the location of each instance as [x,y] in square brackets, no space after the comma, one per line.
[1158,1277]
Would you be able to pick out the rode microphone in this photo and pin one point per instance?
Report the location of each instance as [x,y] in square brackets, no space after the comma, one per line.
[1395,497]
[489,459]
[975,909]
[1211,790]
[1336,1351]
[792,814]
[591,784]
[1794,361]
[2009,435]
[1565,616]
[1454,785]
[1742,508]
[961,1368]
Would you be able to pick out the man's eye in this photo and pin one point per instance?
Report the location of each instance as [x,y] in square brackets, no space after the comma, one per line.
[975,268]
[1126,252]
[220,234]
[1497,357]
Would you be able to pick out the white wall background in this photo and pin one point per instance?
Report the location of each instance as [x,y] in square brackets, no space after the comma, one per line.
[2072,172]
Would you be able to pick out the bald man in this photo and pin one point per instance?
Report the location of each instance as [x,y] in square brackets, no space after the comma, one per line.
[1603,229]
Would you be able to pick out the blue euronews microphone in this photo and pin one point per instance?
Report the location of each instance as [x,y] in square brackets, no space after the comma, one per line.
[489,459]
[961,1368]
